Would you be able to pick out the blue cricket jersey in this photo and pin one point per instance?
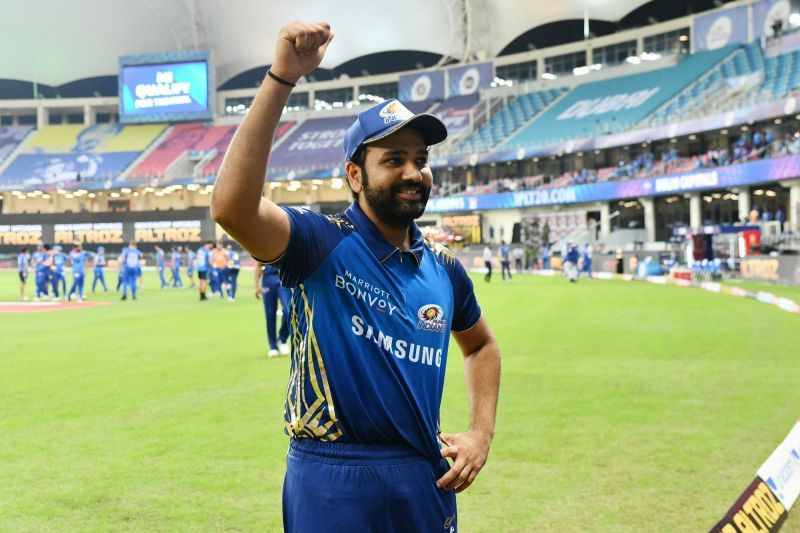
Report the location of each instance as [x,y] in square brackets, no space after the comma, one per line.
[269,276]
[78,261]
[160,258]
[24,262]
[39,260]
[373,324]
[203,259]
[176,259]
[59,260]
[130,257]
[99,262]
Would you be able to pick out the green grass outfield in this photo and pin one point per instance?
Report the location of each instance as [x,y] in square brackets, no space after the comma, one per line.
[624,407]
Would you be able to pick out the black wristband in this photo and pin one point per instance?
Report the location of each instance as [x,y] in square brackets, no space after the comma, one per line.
[280,80]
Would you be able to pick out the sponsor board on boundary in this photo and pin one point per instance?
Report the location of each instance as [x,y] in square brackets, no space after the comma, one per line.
[781,471]
[757,509]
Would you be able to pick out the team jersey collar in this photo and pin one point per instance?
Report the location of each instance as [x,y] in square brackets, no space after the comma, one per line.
[375,240]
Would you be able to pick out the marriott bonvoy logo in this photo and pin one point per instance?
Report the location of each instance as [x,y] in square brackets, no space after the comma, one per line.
[431,318]
[360,289]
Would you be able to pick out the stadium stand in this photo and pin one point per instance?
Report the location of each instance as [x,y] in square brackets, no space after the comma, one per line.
[10,138]
[313,147]
[70,155]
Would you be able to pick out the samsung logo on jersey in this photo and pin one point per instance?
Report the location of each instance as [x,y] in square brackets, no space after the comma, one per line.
[400,348]
[607,104]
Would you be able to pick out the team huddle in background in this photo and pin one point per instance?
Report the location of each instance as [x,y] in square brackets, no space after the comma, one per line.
[217,267]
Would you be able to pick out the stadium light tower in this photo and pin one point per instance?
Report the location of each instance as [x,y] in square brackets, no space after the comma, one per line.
[471,36]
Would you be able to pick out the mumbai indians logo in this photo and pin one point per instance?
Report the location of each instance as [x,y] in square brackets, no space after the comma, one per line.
[395,112]
[431,318]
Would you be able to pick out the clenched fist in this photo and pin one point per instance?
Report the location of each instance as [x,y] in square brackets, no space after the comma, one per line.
[300,49]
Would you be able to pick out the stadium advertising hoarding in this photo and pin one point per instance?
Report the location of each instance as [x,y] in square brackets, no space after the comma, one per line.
[470,79]
[783,269]
[20,234]
[757,509]
[168,231]
[316,146]
[767,14]
[719,29]
[167,87]
[421,87]
[89,233]
[708,179]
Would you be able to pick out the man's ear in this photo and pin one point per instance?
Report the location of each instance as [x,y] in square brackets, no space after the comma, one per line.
[353,172]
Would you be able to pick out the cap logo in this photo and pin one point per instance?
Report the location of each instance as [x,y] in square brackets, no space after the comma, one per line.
[395,112]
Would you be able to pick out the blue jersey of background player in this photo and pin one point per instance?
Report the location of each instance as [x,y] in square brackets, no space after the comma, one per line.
[23,269]
[175,260]
[373,308]
[41,264]
[161,265]
[78,257]
[203,258]
[190,266]
[232,272]
[99,269]
[58,279]
[130,258]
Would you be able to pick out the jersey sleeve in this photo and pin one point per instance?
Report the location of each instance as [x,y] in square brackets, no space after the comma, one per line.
[465,305]
[313,237]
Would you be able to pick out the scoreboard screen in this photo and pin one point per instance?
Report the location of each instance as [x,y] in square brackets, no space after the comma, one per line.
[165,91]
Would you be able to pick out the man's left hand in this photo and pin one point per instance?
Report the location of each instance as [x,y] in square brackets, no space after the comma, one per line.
[469,452]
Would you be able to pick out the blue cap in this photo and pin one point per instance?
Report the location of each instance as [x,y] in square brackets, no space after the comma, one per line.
[387,117]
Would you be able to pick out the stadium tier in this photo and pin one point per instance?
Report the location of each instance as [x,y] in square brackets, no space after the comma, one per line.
[10,138]
[77,156]
[455,113]
[314,149]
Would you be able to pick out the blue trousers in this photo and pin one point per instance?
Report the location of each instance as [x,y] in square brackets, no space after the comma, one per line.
[270,295]
[161,276]
[365,488]
[41,283]
[177,282]
[100,276]
[78,279]
[233,277]
[129,281]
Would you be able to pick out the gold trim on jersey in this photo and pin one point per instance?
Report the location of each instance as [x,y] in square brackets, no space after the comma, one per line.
[440,250]
[309,414]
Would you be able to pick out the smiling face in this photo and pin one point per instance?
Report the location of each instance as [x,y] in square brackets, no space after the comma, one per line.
[395,181]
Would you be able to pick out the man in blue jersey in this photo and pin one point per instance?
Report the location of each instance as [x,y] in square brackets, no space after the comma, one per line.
[99,269]
[161,265]
[41,263]
[78,257]
[23,268]
[203,258]
[120,270]
[232,272]
[130,258]
[505,260]
[58,278]
[175,259]
[190,267]
[268,288]
[373,308]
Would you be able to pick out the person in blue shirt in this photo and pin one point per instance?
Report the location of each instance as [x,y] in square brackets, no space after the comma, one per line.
[120,270]
[23,268]
[545,257]
[130,259]
[190,267]
[175,258]
[161,265]
[232,272]
[203,258]
[42,261]
[58,279]
[78,258]
[505,260]
[571,262]
[99,269]
[373,308]
[268,289]
[586,261]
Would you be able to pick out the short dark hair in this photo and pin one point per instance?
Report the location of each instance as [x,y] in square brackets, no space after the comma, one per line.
[359,159]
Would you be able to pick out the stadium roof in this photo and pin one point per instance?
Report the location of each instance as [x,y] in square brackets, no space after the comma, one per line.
[56,42]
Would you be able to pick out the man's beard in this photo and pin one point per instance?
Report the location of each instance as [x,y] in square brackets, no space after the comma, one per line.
[392,211]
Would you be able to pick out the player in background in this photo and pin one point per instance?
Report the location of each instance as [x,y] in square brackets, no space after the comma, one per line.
[586,260]
[570,265]
[190,267]
[120,270]
[99,260]
[175,258]
[161,265]
[219,260]
[130,258]
[41,265]
[267,285]
[232,272]
[203,259]
[487,262]
[58,278]
[505,260]
[23,268]
[78,258]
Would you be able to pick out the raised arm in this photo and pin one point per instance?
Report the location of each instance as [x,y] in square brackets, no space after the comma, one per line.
[237,205]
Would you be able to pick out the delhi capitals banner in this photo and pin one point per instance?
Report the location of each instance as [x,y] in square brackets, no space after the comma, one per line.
[720,28]
[470,79]
[768,13]
[421,87]
[707,179]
